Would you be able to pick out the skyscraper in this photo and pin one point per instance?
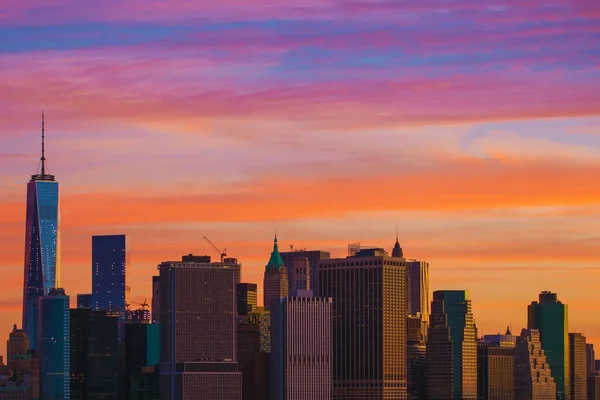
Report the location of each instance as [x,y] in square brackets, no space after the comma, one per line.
[276,278]
[451,347]
[155,299]
[578,366]
[254,364]
[301,348]
[369,324]
[495,367]
[533,376]
[198,331]
[299,274]
[591,358]
[314,257]
[247,298]
[94,355]
[418,281]
[416,341]
[42,244]
[17,353]
[55,346]
[110,259]
[550,317]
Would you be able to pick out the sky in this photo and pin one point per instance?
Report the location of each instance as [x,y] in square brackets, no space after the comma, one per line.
[473,125]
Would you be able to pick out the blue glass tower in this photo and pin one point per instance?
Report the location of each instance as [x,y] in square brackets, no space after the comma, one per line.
[109,266]
[55,346]
[42,244]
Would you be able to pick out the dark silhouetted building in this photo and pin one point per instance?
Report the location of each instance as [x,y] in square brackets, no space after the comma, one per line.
[369,324]
[314,257]
[593,387]
[155,299]
[54,346]
[247,298]
[451,347]
[17,354]
[84,300]
[550,317]
[94,355]
[110,259]
[276,278]
[495,367]
[141,358]
[198,348]
[416,340]
[533,376]
[578,366]
[42,245]
[254,364]
[590,359]
[301,347]
[139,316]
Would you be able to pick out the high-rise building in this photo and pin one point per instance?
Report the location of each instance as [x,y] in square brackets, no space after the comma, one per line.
[42,244]
[369,324]
[254,364]
[17,353]
[451,347]
[84,300]
[590,359]
[416,341]
[247,298]
[262,318]
[550,317]
[141,351]
[276,278]
[299,274]
[533,376]
[55,346]
[578,366]
[314,257]
[155,299]
[495,367]
[110,261]
[94,354]
[301,348]
[597,364]
[418,281]
[593,387]
[198,348]
[139,316]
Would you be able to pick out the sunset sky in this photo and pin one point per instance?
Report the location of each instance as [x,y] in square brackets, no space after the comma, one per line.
[474,125]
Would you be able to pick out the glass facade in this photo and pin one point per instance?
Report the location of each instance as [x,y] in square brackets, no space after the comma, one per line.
[109,266]
[55,346]
[42,249]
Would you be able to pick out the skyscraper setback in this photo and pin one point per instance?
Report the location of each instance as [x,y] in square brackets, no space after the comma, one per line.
[109,271]
[42,244]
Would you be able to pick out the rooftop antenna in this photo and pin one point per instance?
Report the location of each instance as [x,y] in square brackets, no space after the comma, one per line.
[396,231]
[43,159]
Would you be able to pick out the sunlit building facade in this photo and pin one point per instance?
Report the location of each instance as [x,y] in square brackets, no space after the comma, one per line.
[533,375]
[578,366]
[247,298]
[495,367]
[42,245]
[451,347]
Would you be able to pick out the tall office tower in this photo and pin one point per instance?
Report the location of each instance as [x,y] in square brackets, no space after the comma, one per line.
[110,261]
[597,364]
[141,354]
[155,299]
[591,357]
[416,341]
[94,354]
[17,354]
[301,348]
[314,257]
[262,318]
[451,347]
[495,367]
[369,324]
[418,280]
[84,300]
[198,348]
[247,298]
[55,346]
[276,278]
[42,244]
[254,364]
[506,340]
[550,317]
[533,375]
[578,366]
[300,275]
[593,387]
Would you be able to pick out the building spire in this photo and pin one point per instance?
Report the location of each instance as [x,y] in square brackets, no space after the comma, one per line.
[43,159]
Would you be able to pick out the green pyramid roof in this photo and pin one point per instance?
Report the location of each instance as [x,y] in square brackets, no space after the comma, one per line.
[275,262]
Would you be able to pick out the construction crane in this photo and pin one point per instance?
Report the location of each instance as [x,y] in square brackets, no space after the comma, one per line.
[223,253]
[144,305]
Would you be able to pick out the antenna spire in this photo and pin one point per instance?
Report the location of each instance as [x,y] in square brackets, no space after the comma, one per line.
[43,159]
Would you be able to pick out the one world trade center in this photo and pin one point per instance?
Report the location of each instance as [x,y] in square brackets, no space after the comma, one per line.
[42,244]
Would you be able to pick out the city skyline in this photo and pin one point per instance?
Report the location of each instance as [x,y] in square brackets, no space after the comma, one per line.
[169,123]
